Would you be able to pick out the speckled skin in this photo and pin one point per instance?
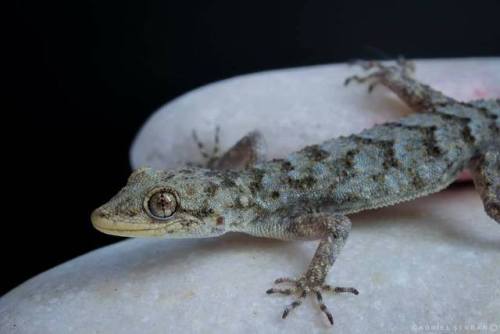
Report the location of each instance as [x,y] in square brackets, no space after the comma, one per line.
[308,194]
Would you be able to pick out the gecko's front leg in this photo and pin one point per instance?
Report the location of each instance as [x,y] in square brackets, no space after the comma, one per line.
[333,231]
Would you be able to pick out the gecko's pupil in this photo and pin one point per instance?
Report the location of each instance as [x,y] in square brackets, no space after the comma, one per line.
[162,204]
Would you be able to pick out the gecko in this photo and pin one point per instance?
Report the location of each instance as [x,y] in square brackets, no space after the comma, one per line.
[308,194]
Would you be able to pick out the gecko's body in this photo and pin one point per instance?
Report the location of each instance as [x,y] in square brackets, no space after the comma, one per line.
[307,194]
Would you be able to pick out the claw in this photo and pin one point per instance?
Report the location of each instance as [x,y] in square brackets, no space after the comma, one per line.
[323,307]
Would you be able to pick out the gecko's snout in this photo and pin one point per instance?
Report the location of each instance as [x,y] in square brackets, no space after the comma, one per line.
[100,220]
[108,222]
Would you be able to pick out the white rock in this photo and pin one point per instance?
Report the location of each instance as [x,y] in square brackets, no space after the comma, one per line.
[432,262]
[294,108]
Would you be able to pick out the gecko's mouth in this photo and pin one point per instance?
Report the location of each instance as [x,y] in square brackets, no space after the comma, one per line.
[105,225]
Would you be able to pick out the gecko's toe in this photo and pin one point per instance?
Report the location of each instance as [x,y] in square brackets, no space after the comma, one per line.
[323,307]
[281,291]
[339,289]
[294,304]
[287,291]
[285,280]
[357,79]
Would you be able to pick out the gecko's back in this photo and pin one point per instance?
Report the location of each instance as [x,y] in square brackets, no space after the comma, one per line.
[389,163]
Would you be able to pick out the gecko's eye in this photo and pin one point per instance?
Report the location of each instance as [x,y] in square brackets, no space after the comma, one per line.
[161,204]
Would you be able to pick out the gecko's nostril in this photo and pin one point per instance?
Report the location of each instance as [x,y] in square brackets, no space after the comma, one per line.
[100,213]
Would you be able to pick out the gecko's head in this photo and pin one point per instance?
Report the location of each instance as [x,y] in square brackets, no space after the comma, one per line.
[177,204]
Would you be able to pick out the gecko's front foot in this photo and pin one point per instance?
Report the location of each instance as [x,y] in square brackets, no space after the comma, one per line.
[402,68]
[305,285]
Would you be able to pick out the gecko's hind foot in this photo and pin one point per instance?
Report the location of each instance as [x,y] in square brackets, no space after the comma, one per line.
[401,64]
[209,156]
[304,286]
[402,68]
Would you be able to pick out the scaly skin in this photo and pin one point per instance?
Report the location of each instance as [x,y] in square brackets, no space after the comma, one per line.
[308,194]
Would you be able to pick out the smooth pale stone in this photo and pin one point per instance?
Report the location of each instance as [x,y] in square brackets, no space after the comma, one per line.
[294,108]
[431,262]
[427,264]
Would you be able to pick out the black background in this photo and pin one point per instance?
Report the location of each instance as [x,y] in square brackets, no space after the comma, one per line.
[87,74]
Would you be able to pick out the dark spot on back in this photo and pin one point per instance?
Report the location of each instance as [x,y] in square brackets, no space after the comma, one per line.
[393,125]
[315,153]
[349,198]
[467,135]
[349,158]
[362,141]
[484,111]
[255,184]
[227,182]
[430,142]
[417,182]
[275,194]
[387,146]
[286,166]
[210,173]
[428,137]
[186,171]
[211,188]
[303,183]
[378,178]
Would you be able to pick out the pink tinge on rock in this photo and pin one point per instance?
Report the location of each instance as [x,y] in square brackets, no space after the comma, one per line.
[464,176]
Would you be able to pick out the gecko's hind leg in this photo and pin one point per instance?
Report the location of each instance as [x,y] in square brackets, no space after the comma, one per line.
[398,78]
[249,150]
[486,175]
[333,231]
